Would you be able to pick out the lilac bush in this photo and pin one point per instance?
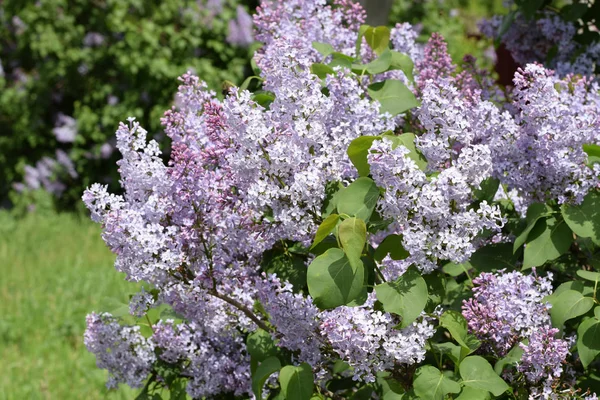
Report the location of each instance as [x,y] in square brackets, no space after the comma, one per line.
[347,229]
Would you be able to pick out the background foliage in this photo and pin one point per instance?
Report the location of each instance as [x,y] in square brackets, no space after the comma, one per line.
[455,20]
[99,62]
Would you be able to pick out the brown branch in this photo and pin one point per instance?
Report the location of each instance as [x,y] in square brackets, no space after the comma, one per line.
[242,308]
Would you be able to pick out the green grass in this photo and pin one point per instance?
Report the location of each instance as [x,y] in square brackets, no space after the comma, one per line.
[54,270]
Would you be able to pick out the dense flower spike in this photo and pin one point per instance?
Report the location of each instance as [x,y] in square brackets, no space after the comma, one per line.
[369,341]
[543,357]
[214,361]
[434,216]
[294,317]
[506,308]
[541,154]
[537,151]
[436,62]
[122,350]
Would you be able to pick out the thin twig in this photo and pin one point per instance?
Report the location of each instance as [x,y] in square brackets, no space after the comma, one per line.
[240,307]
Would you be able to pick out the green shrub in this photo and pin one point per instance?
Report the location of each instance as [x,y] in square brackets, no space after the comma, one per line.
[84,65]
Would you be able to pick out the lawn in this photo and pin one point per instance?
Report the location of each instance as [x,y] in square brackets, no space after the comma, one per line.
[54,270]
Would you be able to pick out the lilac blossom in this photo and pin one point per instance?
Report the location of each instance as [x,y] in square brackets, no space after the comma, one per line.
[403,38]
[541,154]
[294,317]
[140,303]
[47,174]
[543,356]
[310,21]
[436,62]
[536,150]
[369,341]
[215,362]
[433,216]
[507,307]
[122,350]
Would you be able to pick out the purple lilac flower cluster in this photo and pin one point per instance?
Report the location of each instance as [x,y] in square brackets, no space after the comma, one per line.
[122,350]
[536,149]
[215,361]
[507,309]
[369,340]
[433,215]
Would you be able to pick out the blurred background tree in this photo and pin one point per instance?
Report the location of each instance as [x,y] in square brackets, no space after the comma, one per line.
[70,70]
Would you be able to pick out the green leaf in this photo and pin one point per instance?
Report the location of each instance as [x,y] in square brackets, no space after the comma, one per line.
[286,265]
[548,240]
[378,38]
[332,193]
[408,140]
[492,257]
[246,83]
[392,245]
[359,198]
[389,387]
[260,345]
[578,286]
[363,393]
[326,227]
[404,63]
[469,393]
[361,33]
[487,190]
[321,70]
[534,213]
[324,49]
[454,269]
[377,66]
[477,373]
[436,286]
[588,340]
[352,233]
[393,95]
[358,152]
[456,324]
[266,368]
[572,12]
[333,281]
[448,349]
[297,382]
[593,152]
[569,304]
[513,357]
[584,219]
[589,275]
[340,59]
[530,7]
[263,98]
[406,296]
[431,384]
